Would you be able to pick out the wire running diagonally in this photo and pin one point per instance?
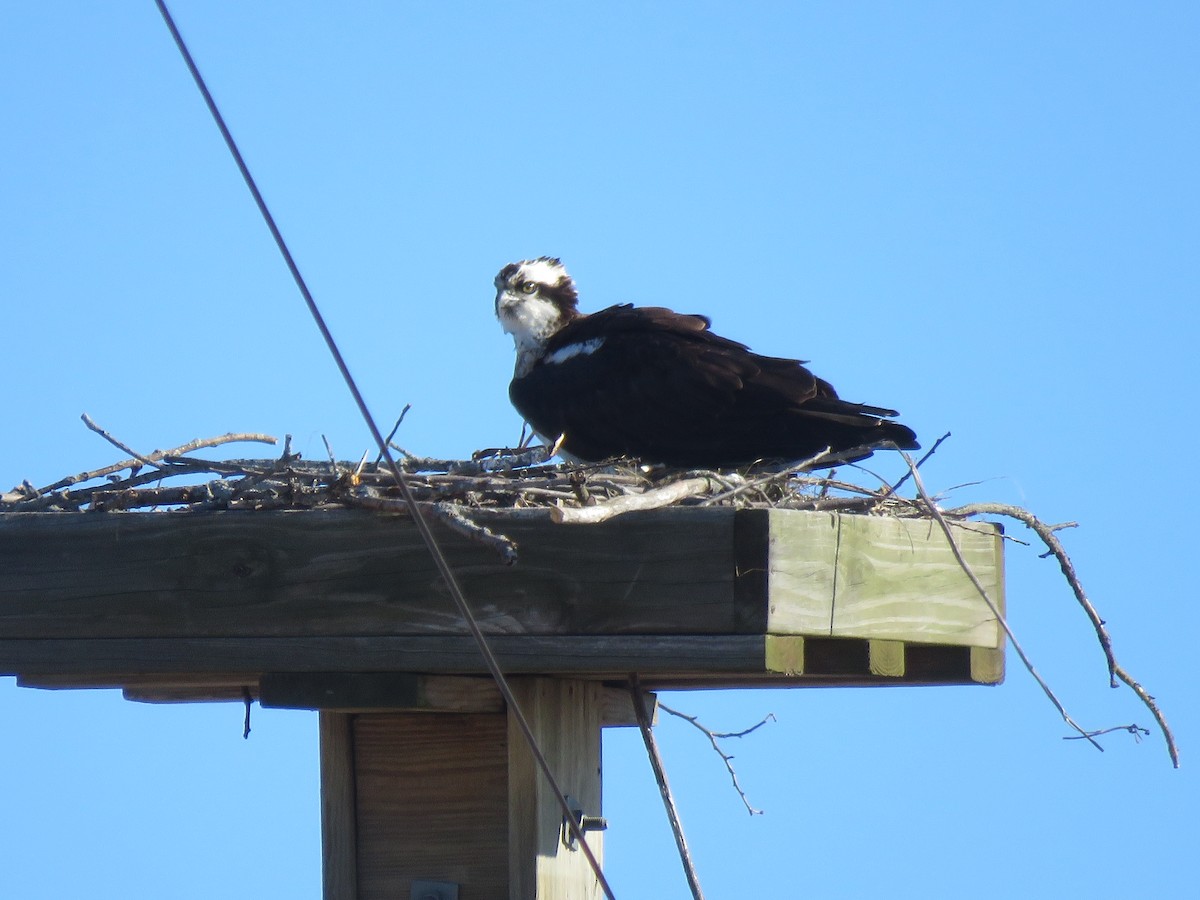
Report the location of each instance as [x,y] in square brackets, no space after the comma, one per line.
[422,526]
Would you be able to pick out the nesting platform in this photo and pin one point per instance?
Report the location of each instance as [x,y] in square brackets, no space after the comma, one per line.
[343,611]
[711,597]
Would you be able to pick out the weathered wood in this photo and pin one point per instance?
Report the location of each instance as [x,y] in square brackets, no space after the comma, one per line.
[339,814]
[663,662]
[601,656]
[338,572]
[327,692]
[616,708]
[432,801]
[682,595]
[565,718]
[340,610]
[364,692]
[457,798]
[186,687]
[377,691]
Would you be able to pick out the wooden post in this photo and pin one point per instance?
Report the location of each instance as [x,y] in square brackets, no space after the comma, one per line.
[339,807]
[565,717]
[456,798]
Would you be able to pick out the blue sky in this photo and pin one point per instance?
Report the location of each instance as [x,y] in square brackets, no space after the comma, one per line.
[982,215]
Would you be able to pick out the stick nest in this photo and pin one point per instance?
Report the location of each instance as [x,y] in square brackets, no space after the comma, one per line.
[505,480]
[491,480]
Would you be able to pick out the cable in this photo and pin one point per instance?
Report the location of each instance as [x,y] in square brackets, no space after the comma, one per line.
[423,528]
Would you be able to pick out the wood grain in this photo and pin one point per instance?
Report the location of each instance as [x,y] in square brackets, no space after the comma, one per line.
[877,577]
[680,595]
[565,718]
[432,803]
[339,572]
[339,834]
[886,658]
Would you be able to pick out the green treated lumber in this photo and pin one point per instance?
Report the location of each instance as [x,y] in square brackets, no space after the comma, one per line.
[880,577]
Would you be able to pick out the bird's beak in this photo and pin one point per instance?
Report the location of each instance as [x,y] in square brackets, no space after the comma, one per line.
[504,300]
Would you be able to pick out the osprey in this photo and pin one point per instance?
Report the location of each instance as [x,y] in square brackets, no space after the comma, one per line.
[654,384]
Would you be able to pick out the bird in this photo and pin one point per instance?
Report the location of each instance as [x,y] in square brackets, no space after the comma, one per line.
[659,386]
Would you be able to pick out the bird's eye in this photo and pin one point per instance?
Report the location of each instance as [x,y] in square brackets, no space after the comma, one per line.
[528,287]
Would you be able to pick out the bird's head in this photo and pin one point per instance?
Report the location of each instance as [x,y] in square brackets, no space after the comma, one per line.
[534,299]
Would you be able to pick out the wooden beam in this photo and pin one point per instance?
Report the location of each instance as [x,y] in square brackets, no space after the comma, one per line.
[886,658]
[378,691]
[599,655]
[184,687]
[987,665]
[879,577]
[328,691]
[395,691]
[339,807]
[565,718]
[317,573]
[616,708]
[682,596]
[340,572]
[686,661]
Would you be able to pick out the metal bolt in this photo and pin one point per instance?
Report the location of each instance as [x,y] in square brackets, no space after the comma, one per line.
[593,823]
[586,823]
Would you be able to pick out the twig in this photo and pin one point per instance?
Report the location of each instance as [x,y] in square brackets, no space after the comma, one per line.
[329,452]
[920,462]
[452,516]
[533,456]
[769,717]
[144,460]
[783,474]
[446,513]
[823,492]
[726,758]
[211,493]
[392,433]
[232,437]
[660,776]
[651,499]
[1137,731]
[954,548]
[1055,547]
[578,481]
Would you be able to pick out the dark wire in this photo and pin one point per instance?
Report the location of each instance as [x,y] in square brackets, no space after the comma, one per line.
[406,491]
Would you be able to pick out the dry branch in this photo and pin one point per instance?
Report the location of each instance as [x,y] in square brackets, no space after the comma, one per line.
[655,498]
[1012,638]
[664,788]
[157,455]
[715,738]
[1116,670]
[446,513]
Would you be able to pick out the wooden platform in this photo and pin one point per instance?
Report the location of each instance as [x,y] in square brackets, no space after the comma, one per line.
[427,784]
[178,606]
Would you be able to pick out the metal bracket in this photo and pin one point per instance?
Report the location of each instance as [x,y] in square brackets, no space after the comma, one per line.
[433,890]
[586,823]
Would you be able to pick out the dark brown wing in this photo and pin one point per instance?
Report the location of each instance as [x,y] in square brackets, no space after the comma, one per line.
[654,384]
